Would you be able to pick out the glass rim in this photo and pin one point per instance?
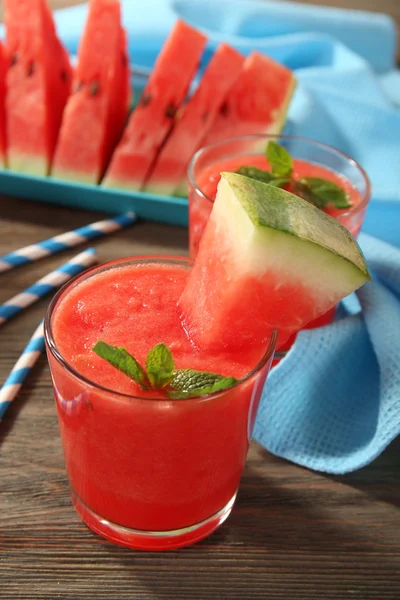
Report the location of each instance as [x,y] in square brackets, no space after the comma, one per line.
[259,136]
[57,355]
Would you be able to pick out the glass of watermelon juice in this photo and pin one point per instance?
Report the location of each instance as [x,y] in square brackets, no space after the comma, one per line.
[146,471]
[311,159]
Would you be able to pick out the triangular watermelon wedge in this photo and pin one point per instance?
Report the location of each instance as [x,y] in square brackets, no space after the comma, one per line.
[267,260]
[3,137]
[257,102]
[97,110]
[121,95]
[154,115]
[194,121]
[38,84]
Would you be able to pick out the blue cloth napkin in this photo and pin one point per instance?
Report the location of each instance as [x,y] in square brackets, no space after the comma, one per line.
[333,403]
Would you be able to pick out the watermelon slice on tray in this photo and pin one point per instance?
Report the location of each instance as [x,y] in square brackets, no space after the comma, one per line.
[3,139]
[98,107]
[267,260]
[121,95]
[194,122]
[38,83]
[153,118]
[257,102]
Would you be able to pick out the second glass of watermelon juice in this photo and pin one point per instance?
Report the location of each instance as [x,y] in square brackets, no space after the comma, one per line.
[311,159]
[146,471]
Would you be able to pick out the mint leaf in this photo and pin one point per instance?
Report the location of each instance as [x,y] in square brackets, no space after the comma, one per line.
[263,176]
[160,366]
[322,192]
[189,382]
[182,383]
[280,160]
[254,173]
[123,361]
[280,181]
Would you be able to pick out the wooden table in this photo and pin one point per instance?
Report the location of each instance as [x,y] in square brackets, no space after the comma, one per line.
[293,534]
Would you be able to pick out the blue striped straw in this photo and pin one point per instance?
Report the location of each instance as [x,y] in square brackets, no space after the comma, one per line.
[64,241]
[21,370]
[48,283]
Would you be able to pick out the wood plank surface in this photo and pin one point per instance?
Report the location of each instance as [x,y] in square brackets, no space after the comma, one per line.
[293,534]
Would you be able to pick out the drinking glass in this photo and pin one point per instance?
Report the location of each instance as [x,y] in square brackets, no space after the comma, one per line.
[232,153]
[151,473]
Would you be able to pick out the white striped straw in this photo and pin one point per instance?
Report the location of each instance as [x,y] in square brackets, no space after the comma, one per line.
[64,241]
[21,370]
[48,283]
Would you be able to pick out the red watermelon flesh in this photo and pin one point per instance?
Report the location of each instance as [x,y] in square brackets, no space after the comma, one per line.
[96,111]
[121,94]
[56,89]
[257,102]
[120,100]
[154,115]
[3,139]
[38,84]
[194,122]
[268,260]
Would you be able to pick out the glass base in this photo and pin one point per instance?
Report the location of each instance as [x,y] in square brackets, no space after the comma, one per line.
[150,540]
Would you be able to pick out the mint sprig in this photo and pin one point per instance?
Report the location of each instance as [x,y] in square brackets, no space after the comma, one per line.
[160,366]
[280,160]
[160,372]
[189,382]
[123,361]
[322,192]
[264,176]
[255,173]
[316,190]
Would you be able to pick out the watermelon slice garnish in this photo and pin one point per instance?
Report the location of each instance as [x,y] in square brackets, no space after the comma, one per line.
[97,110]
[38,83]
[154,116]
[257,102]
[194,122]
[267,260]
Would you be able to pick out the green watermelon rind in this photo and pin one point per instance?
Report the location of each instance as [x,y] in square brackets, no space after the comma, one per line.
[73,176]
[28,164]
[273,211]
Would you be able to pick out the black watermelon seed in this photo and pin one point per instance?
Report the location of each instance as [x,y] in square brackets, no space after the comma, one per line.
[88,404]
[14,59]
[94,88]
[31,68]
[145,100]
[64,75]
[170,111]
[224,110]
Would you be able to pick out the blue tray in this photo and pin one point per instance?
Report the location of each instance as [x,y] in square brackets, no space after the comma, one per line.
[164,209]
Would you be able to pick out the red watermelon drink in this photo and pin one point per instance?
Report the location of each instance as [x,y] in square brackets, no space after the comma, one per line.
[147,469]
[311,159]
[158,365]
